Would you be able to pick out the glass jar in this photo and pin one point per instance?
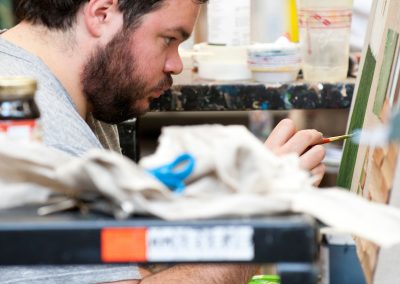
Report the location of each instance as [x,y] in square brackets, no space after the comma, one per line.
[265,279]
[19,114]
[325,39]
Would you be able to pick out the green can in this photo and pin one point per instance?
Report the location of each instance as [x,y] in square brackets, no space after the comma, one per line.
[265,279]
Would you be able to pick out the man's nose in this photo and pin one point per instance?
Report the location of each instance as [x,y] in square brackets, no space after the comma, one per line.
[173,63]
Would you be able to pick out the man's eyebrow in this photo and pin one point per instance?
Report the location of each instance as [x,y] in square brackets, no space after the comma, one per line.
[184,34]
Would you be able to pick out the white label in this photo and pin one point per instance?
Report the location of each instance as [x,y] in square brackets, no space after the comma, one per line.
[217,243]
[229,22]
[20,130]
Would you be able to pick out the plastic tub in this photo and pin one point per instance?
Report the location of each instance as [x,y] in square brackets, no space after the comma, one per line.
[221,62]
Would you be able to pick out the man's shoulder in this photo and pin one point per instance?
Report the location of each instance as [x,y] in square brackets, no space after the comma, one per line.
[11,52]
[63,127]
[15,61]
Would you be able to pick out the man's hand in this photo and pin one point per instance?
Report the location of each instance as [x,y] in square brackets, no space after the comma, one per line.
[286,139]
[198,274]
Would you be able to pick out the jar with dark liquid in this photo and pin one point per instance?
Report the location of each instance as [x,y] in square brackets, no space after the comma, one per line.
[19,114]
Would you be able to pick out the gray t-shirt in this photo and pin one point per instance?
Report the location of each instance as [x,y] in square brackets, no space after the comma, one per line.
[66,130]
[57,274]
[63,127]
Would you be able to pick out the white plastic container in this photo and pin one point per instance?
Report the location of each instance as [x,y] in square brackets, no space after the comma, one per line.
[324,37]
[221,62]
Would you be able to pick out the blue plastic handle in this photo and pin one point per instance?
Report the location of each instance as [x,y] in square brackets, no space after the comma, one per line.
[174,174]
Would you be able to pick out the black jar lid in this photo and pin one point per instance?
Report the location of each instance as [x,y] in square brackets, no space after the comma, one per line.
[17,87]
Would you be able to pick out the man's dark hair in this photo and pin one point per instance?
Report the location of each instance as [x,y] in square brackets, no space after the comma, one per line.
[61,14]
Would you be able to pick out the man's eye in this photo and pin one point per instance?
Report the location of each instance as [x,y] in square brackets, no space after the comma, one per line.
[168,40]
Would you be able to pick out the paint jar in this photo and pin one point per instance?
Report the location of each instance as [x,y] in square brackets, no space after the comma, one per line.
[277,62]
[265,279]
[228,22]
[324,39]
[19,114]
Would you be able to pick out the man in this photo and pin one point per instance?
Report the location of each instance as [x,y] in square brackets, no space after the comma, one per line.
[100,62]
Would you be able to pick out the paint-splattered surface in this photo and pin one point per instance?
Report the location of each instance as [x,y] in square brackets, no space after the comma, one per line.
[251,96]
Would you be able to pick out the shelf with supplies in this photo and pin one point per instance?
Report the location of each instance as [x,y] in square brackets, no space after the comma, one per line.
[72,238]
[201,95]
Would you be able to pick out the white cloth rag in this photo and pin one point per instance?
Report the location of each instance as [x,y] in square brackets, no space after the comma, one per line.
[235,175]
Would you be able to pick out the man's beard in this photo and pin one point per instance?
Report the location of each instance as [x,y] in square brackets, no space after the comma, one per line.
[112,84]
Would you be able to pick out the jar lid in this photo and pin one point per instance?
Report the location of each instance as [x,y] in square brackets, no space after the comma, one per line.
[13,87]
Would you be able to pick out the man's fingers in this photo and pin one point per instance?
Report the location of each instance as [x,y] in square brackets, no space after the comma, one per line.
[311,161]
[300,142]
[312,158]
[318,173]
[280,134]
[284,139]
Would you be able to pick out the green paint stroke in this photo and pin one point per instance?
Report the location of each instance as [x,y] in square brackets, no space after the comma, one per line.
[350,150]
[384,75]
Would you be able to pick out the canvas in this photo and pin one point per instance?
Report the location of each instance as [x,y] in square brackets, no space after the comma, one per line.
[371,169]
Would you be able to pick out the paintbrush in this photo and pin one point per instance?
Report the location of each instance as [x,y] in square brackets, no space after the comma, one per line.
[335,138]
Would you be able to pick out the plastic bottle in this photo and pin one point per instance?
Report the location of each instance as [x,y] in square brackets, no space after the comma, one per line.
[267,20]
[228,22]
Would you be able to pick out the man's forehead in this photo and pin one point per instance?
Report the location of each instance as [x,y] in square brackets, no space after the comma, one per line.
[176,16]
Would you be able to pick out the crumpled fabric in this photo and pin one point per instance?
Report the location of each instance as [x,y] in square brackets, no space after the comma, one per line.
[235,176]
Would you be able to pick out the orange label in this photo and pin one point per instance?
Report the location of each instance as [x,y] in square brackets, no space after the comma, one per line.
[123,244]
[5,124]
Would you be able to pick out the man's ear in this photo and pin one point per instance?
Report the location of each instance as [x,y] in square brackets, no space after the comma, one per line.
[101,15]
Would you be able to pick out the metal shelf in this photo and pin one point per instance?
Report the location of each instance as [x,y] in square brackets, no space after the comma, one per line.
[240,96]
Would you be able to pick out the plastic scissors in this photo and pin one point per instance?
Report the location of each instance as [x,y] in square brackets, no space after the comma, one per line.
[174,173]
